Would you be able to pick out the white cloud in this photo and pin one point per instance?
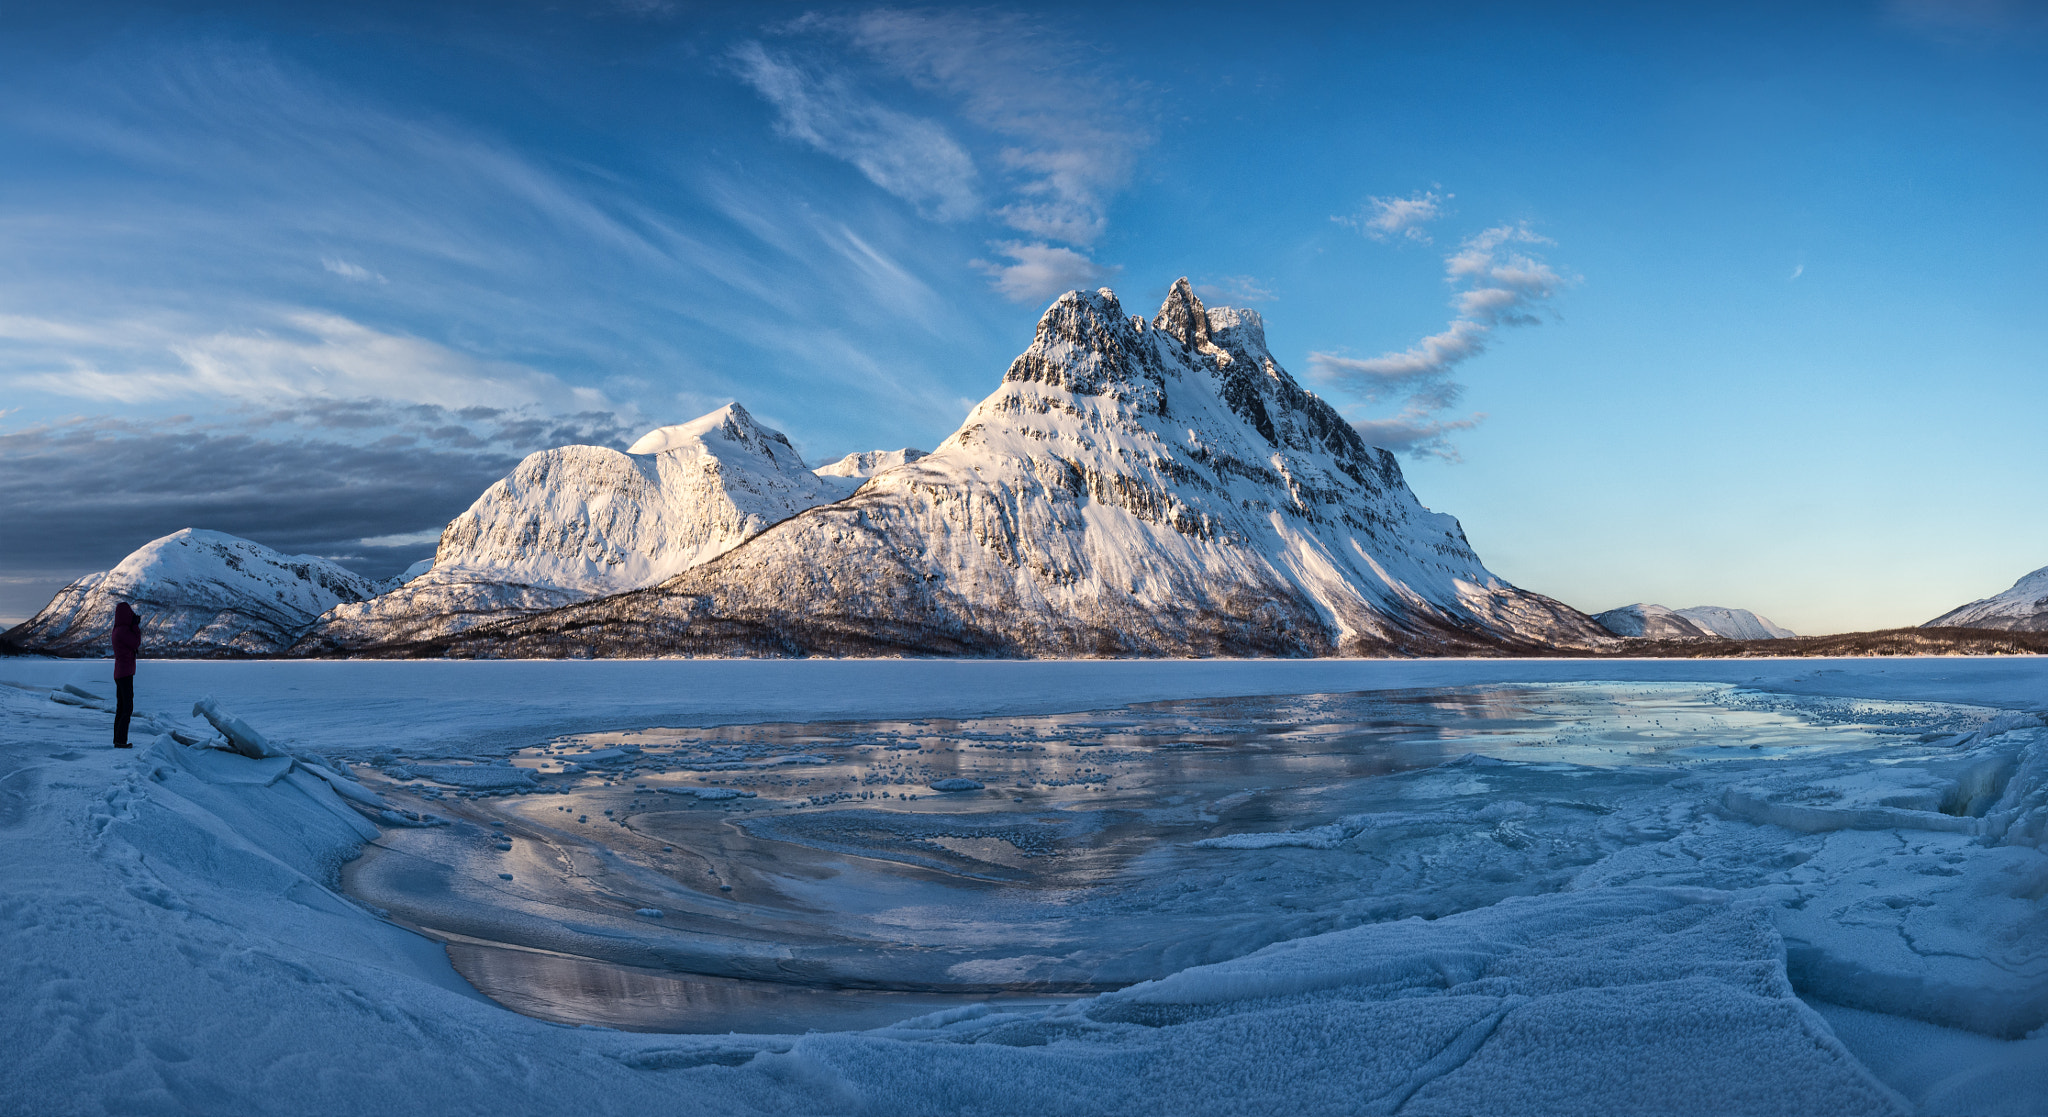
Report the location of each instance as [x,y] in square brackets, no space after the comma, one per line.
[1232,289]
[355,272]
[911,157]
[1038,272]
[294,355]
[1797,271]
[1387,218]
[1071,135]
[1417,433]
[1504,284]
[402,539]
[1059,140]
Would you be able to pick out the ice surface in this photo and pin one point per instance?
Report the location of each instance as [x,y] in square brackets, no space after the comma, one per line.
[1598,932]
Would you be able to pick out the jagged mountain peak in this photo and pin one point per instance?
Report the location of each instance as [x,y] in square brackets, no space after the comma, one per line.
[1130,487]
[1182,316]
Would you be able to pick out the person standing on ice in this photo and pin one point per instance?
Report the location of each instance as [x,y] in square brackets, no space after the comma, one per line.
[127,639]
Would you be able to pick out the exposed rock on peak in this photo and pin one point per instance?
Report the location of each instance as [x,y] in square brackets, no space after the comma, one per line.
[1182,317]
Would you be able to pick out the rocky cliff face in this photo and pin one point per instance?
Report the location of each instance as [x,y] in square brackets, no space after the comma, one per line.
[2023,608]
[199,593]
[579,522]
[1133,487]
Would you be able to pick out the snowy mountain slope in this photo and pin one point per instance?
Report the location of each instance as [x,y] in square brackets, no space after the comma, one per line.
[1655,622]
[1735,624]
[1652,622]
[578,522]
[853,470]
[2023,608]
[198,592]
[1132,487]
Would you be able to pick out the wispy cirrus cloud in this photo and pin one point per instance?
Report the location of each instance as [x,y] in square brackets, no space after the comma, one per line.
[1057,140]
[912,157]
[291,354]
[1391,218]
[1502,283]
[356,272]
[1233,289]
[1035,269]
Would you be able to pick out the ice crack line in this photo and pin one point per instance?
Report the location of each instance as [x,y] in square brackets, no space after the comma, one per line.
[1454,1055]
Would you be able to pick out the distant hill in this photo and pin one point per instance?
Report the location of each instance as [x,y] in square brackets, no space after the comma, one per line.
[1894,641]
[1655,622]
[2023,608]
[199,593]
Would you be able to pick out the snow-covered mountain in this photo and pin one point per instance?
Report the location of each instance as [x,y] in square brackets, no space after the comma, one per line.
[1736,624]
[1650,622]
[853,470]
[199,592]
[1132,487]
[578,522]
[2023,608]
[1655,622]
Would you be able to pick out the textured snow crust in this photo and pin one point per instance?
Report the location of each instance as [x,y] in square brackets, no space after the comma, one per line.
[198,592]
[171,941]
[1134,487]
[578,522]
[2023,608]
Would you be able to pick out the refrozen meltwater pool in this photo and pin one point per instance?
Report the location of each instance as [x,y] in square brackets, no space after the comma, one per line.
[839,875]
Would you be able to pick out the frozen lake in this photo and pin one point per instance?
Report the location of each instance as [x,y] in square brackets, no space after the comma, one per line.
[1452,887]
[847,874]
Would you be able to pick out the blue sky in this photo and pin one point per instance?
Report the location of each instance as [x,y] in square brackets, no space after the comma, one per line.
[1737,307]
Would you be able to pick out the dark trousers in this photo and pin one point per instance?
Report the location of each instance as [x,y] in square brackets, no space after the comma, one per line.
[124,708]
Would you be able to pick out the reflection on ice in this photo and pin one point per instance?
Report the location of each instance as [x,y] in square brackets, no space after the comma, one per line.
[842,875]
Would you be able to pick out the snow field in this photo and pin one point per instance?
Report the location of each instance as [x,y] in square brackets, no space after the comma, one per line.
[173,943]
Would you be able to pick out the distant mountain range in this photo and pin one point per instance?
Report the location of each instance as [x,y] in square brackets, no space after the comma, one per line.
[1134,486]
[1700,622]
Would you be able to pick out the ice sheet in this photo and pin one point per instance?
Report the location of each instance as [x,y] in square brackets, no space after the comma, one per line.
[171,940]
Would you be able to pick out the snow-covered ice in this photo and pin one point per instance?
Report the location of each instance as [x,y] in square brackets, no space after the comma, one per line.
[1595,898]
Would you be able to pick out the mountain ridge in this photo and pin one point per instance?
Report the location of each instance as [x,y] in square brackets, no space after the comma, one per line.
[1132,487]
